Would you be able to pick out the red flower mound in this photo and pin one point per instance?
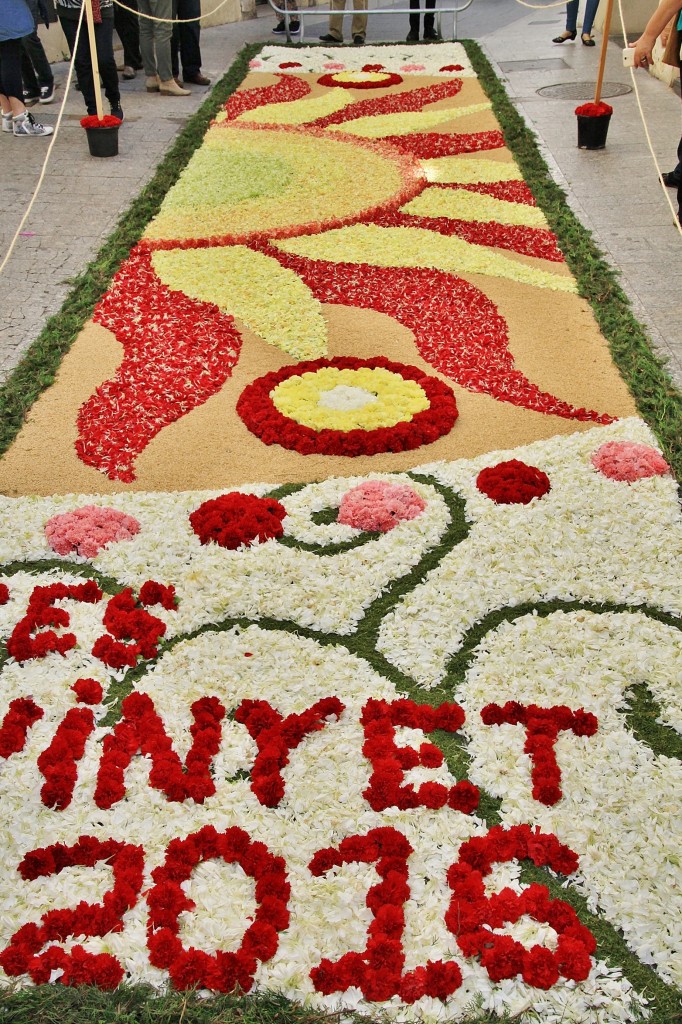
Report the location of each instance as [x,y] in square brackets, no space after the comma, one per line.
[600,109]
[512,483]
[4,593]
[234,519]
[93,121]
[261,416]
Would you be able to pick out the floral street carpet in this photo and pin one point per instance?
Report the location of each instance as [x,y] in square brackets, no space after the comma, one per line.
[341,609]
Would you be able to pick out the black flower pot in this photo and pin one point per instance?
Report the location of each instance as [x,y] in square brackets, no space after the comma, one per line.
[103,141]
[592,131]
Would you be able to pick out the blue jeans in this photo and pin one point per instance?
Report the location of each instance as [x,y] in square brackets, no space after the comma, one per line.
[588,17]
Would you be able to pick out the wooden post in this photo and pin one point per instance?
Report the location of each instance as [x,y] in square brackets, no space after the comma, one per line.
[602,54]
[93,57]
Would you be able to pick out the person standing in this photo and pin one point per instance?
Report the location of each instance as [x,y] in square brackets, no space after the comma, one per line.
[572,22]
[35,67]
[185,42]
[429,30]
[69,12]
[16,21]
[127,24]
[643,57]
[358,26]
[280,28]
[156,29]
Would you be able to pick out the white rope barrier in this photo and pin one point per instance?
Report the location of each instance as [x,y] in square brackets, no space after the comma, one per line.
[633,76]
[541,7]
[174,21]
[48,154]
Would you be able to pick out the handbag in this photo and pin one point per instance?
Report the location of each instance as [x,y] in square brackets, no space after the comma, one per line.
[671,54]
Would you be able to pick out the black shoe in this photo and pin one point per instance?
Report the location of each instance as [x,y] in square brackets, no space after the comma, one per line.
[280,29]
[587,40]
[565,37]
[117,112]
[412,36]
[47,93]
[197,79]
[330,39]
[432,35]
[31,100]
[358,40]
[671,180]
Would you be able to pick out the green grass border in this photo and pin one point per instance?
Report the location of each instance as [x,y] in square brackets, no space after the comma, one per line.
[658,400]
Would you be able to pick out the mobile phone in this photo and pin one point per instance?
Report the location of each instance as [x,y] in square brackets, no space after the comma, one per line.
[629,57]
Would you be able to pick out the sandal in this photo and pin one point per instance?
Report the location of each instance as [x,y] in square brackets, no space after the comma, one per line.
[565,36]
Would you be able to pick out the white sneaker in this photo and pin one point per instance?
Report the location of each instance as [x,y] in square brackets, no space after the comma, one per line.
[26,124]
[7,122]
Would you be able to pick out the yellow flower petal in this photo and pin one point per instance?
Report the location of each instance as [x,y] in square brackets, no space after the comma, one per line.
[272,301]
[460,204]
[418,247]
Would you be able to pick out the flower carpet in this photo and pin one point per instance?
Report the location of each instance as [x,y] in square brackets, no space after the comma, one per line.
[341,612]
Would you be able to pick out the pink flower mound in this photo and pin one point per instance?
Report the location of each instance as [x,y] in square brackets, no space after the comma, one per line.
[378,505]
[88,529]
[629,461]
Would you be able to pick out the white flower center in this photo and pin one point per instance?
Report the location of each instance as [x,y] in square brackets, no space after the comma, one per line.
[345,396]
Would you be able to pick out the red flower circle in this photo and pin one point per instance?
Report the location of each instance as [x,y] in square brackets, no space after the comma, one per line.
[512,483]
[234,519]
[389,79]
[258,411]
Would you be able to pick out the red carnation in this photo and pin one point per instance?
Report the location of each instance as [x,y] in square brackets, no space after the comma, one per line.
[235,519]
[512,483]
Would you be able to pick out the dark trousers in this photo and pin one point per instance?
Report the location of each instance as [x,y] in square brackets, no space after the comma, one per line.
[428,18]
[35,67]
[104,35]
[10,69]
[185,40]
[127,24]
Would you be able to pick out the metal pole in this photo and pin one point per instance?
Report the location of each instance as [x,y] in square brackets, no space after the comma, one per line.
[93,57]
[602,55]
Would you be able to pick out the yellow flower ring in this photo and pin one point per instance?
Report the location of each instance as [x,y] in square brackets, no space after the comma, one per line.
[360,79]
[348,406]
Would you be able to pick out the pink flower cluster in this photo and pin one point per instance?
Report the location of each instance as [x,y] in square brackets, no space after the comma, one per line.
[628,461]
[378,505]
[88,530]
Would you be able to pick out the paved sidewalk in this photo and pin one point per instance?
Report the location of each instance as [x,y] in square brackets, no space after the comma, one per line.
[614,192]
